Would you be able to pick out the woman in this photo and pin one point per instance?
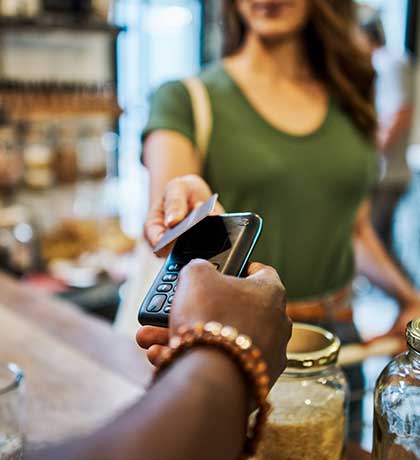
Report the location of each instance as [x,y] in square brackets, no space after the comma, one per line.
[293,140]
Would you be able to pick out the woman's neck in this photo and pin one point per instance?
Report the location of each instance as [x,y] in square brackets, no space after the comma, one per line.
[286,59]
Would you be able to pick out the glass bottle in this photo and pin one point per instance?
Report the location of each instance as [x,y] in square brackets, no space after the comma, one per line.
[19,251]
[66,154]
[102,8]
[11,163]
[12,412]
[310,401]
[397,403]
[91,155]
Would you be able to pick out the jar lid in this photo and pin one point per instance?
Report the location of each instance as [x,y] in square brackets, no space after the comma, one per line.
[11,378]
[311,347]
[412,334]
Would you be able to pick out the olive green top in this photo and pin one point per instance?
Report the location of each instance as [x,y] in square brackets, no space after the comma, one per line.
[306,188]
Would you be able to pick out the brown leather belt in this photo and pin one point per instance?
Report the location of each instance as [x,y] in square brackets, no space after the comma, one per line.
[335,306]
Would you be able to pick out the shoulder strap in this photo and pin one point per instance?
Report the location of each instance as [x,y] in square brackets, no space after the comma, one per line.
[202,113]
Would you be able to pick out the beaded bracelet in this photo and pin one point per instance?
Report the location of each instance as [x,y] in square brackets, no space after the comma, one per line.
[248,357]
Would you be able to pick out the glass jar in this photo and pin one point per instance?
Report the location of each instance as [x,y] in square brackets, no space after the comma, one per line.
[11,412]
[397,403]
[26,8]
[310,401]
[11,164]
[102,8]
[91,155]
[10,7]
[38,156]
[66,154]
[19,252]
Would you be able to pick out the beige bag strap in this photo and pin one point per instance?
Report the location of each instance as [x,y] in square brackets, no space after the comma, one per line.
[202,113]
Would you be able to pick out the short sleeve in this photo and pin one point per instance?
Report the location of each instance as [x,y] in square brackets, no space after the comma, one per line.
[171,110]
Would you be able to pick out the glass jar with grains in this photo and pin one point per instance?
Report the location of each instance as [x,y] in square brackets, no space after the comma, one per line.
[397,403]
[310,401]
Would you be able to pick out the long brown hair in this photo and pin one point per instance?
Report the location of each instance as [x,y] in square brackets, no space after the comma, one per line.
[333,53]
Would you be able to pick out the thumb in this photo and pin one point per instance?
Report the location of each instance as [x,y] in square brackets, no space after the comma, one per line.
[263,273]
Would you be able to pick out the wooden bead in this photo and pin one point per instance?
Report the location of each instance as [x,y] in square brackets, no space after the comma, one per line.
[229,333]
[263,380]
[213,327]
[261,367]
[243,342]
[182,330]
[256,353]
[175,342]
[199,328]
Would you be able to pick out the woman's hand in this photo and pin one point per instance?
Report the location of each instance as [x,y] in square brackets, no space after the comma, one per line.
[374,262]
[255,306]
[181,196]
[408,311]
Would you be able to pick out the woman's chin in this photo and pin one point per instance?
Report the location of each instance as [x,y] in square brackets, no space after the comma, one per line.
[275,34]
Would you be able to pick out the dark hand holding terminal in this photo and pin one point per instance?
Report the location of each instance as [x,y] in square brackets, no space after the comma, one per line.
[198,408]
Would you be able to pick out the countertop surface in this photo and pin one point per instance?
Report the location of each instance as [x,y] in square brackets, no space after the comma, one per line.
[78,372]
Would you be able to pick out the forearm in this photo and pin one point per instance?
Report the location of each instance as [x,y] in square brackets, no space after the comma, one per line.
[373,261]
[168,155]
[399,127]
[197,410]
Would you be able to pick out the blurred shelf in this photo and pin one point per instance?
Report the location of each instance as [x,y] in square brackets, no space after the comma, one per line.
[39,116]
[57,111]
[58,22]
[39,101]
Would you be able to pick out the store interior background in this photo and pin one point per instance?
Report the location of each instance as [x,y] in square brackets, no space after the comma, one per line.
[111,64]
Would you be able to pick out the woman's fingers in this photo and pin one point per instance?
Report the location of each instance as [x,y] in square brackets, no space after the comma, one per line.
[175,202]
[182,195]
[198,204]
[218,209]
[147,336]
[155,226]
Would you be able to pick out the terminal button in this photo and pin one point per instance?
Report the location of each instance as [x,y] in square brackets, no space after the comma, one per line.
[164,287]
[156,303]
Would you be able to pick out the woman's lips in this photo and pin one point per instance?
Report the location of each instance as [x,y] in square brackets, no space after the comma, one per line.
[270,8]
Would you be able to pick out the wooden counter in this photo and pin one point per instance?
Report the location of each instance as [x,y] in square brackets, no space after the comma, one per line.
[78,371]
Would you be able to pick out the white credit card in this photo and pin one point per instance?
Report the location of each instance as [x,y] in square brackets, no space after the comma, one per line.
[196,216]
